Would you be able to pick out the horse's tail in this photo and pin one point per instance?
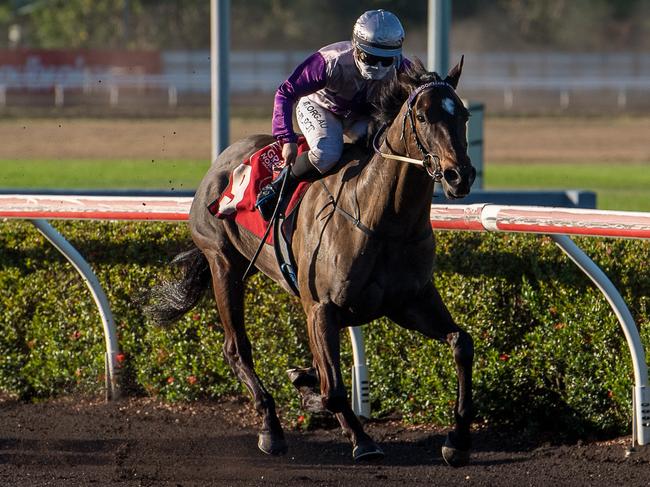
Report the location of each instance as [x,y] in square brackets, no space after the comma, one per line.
[165,303]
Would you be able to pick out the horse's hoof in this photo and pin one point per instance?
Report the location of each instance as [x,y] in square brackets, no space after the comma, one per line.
[367,452]
[454,457]
[271,445]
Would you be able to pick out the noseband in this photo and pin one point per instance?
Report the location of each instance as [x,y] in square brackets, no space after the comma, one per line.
[430,162]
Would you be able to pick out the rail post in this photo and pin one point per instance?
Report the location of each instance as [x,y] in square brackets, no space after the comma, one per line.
[641,396]
[360,381]
[112,365]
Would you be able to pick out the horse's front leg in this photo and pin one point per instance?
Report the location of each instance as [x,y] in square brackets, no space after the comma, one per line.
[456,450]
[427,314]
[324,326]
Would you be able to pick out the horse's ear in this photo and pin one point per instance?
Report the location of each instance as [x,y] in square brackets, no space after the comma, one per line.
[454,73]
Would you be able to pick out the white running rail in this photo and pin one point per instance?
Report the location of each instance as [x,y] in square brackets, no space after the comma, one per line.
[558,222]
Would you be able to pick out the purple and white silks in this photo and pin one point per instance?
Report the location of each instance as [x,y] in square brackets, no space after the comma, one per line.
[329,78]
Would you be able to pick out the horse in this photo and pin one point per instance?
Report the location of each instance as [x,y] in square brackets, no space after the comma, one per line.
[363,246]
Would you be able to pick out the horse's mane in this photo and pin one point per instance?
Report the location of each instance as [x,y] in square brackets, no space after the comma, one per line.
[393,94]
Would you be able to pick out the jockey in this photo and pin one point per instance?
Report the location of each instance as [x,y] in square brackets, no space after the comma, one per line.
[332,89]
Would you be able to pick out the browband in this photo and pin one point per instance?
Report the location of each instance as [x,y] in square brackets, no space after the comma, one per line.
[423,87]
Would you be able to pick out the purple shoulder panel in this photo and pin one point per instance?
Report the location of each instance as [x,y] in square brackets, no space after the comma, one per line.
[309,77]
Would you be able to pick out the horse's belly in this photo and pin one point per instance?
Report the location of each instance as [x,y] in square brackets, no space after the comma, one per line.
[395,277]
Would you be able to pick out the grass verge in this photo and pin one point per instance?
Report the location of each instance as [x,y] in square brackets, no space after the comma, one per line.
[102,174]
[618,187]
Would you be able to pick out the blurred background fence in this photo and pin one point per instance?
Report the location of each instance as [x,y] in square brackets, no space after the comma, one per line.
[110,57]
[141,81]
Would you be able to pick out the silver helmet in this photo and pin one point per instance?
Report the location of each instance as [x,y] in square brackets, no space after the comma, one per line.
[378,32]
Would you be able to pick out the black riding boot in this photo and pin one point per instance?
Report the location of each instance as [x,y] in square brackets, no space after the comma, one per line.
[301,170]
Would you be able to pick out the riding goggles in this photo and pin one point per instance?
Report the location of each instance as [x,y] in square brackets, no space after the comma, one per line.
[372,60]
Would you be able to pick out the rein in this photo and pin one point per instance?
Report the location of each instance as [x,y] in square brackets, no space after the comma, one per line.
[430,162]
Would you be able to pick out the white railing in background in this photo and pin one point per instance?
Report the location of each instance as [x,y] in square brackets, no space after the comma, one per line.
[38,209]
[556,222]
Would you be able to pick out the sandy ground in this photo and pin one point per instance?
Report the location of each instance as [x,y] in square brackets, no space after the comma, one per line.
[141,442]
[506,139]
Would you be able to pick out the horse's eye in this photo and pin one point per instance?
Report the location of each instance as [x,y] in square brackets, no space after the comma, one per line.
[420,118]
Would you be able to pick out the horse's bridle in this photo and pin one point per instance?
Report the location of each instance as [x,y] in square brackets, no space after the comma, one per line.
[430,162]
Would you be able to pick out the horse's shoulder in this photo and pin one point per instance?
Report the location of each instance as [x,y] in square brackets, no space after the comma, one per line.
[354,158]
[353,155]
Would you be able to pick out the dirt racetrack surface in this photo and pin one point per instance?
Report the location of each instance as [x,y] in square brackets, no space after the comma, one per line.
[549,139]
[134,442]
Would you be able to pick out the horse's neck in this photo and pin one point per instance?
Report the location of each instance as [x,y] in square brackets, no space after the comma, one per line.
[395,197]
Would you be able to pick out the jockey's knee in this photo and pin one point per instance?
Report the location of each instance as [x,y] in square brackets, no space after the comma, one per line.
[325,158]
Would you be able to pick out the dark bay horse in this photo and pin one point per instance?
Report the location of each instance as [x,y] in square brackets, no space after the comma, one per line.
[364,249]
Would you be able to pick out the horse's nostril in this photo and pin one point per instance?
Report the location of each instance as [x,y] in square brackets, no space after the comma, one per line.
[452,176]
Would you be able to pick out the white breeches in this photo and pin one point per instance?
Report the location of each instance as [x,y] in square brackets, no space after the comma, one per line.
[324,132]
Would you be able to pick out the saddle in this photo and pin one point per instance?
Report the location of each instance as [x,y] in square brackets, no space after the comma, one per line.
[237,202]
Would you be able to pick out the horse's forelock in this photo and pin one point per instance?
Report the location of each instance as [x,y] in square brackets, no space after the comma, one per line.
[393,94]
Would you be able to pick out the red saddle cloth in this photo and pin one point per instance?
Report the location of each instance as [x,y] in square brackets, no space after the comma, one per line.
[238,199]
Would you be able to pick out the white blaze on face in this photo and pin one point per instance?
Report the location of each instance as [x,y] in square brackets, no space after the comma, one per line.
[448,105]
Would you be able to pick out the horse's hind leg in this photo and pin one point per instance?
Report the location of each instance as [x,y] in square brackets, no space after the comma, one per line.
[324,328]
[427,314]
[227,271]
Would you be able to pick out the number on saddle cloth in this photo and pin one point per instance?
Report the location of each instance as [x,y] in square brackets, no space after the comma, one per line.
[237,201]
[259,169]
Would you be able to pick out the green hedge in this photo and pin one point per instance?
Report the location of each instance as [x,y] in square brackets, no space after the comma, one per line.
[549,350]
